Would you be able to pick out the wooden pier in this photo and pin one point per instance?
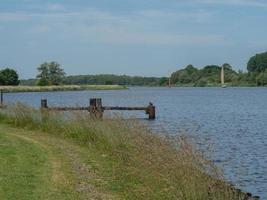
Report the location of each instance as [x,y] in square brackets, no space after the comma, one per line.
[96,108]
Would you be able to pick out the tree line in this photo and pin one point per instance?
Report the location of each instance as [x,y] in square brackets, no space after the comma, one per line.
[106,79]
[51,73]
[209,75]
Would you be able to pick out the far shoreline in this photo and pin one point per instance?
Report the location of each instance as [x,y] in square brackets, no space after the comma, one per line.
[21,89]
[71,88]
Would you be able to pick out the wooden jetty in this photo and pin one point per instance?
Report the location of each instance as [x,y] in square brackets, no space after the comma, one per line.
[96,108]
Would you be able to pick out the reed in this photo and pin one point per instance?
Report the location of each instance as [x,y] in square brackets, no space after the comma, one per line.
[60,88]
[131,160]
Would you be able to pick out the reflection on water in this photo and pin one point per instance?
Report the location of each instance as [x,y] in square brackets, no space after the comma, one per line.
[233,121]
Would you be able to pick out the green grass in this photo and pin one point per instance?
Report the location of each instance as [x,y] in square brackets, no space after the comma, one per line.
[121,159]
[23,169]
[60,88]
[35,166]
[31,169]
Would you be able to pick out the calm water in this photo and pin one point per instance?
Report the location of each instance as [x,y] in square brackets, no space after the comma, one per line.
[231,123]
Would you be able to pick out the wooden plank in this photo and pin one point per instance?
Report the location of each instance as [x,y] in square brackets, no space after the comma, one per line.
[104,108]
[68,108]
[123,108]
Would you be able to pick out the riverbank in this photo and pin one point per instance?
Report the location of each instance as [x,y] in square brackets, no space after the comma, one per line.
[60,88]
[215,85]
[117,159]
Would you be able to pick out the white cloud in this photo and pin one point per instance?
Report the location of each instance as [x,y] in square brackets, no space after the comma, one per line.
[109,35]
[257,3]
[151,27]
[14,17]
[198,16]
[56,7]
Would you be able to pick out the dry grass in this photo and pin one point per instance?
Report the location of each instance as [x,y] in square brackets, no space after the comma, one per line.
[60,88]
[132,161]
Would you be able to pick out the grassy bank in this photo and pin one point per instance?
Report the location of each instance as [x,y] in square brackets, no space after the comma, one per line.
[60,88]
[22,164]
[124,159]
[31,169]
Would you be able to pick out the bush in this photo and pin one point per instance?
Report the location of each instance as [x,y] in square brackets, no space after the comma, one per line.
[9,77]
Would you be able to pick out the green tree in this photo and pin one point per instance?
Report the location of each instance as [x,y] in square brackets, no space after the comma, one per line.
[164,81]
[108,82]
[50,74]
[231,76]
[257,63]
[262,79]
[185,76]
[210,75]
[56,74]
[9,77]
[227,66]
[43,76]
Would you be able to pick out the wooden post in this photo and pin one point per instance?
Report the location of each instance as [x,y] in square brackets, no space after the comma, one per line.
[44,111]
[2,98]
[44,104]
[96,108]
[151,111]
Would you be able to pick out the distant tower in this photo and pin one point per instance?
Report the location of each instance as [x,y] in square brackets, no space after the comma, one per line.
[222,76]
[223,85]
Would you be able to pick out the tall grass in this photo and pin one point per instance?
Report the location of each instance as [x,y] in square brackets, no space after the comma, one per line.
[136,163]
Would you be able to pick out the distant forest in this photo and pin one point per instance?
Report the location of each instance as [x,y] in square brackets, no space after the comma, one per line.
[106,79]
[256,75]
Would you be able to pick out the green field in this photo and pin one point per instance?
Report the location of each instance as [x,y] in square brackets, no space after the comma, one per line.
[60,88]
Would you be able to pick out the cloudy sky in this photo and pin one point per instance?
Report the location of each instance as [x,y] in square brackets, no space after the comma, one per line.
[135,37]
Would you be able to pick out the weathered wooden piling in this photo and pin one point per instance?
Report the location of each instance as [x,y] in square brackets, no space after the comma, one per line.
[151,111]
[44,110]
[96,108]
[2,98]
[44,103]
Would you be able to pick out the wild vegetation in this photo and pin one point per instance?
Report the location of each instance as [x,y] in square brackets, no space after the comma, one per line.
[115,158]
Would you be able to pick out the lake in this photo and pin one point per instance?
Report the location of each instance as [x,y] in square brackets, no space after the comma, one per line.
[229,124]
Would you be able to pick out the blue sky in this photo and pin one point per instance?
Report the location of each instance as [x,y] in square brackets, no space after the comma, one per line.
[135,37]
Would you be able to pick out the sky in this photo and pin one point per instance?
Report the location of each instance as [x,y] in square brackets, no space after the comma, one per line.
[133,37]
